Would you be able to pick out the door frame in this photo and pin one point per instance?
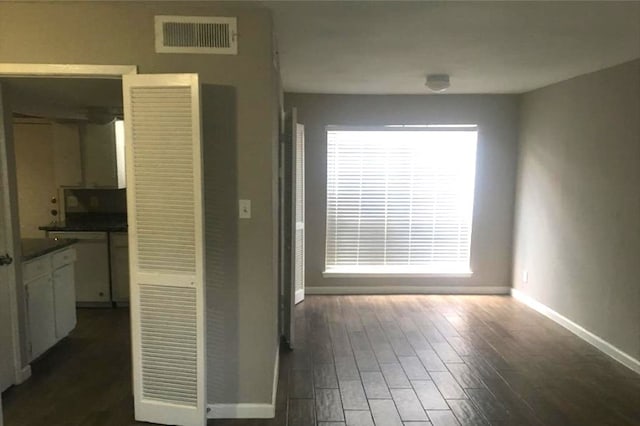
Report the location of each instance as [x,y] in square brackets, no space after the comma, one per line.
[26,70]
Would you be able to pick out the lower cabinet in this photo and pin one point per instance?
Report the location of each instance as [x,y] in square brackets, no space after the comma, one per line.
[92,271]
[51,299]
[120,266]
[42,331]
[64,300]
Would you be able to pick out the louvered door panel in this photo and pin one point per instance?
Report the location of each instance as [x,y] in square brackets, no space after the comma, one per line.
[164,198]
[169,368]
[163,167]
[299,215]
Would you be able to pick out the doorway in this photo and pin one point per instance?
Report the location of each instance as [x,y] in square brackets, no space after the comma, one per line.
[42,95]
[164,120]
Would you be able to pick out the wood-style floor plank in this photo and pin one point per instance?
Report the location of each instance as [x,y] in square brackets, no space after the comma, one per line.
[359,418]
[366,361]
[353,397]
[429,395]
[447,385]
[408,405]
[394,375]
[329,405]
[384,412]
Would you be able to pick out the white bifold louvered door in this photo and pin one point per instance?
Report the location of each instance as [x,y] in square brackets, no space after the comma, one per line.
[165,212]
[298,260]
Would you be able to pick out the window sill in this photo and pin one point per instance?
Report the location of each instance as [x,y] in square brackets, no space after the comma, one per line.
[359,274]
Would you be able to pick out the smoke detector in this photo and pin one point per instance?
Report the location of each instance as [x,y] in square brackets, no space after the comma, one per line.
[438,82]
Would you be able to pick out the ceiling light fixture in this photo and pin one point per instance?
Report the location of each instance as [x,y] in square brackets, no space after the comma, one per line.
[438,82]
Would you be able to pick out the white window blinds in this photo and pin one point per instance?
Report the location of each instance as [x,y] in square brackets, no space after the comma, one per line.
[400,200]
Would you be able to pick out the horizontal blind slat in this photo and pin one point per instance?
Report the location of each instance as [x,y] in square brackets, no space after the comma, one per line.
[399,198]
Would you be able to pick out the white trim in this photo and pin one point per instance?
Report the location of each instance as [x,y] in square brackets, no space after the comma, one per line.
[9,221]
[329,274]
[601,344]
[276,376]
[299,296]
[66,70]
[23,374]
[247,410]
[407,290]
[47,70]
[241,411]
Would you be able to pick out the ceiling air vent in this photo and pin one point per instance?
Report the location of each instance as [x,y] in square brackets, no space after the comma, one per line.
[196,34]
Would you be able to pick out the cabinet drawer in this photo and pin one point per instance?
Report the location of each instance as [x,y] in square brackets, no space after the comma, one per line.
[36,268]
[64,257]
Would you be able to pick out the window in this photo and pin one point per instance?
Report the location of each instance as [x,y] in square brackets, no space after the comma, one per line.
[400,199]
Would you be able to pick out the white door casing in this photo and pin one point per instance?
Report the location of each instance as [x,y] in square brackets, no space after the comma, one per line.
[11,371]
[165,216]
[298,253]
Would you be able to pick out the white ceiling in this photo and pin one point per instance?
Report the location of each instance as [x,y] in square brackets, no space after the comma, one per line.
[486,47]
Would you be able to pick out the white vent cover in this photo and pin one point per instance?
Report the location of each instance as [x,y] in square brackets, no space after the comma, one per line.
[196,34]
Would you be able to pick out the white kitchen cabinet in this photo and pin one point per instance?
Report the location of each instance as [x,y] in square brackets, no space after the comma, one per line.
[103,155]
[67,159]
[64,299]
[120,266]
[42,333]
[92,269]
[50,293]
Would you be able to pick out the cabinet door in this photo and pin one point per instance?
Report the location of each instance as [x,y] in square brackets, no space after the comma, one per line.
[64,297]
[66,154]
[92,271]
[99,155]
[120,267]
[41,315]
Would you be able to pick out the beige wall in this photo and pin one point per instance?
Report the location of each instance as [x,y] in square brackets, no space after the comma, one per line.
[578,214]
[496,117]
[122,33]
[36,176]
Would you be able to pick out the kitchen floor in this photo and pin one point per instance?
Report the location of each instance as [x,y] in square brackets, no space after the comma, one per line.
[365,360]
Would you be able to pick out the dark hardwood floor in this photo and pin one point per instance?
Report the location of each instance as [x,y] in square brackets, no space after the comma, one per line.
[367,360]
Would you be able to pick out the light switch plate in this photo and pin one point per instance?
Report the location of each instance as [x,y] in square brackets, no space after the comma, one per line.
[244,207]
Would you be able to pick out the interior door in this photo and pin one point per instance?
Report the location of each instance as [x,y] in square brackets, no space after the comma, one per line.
[10,363]
[165,213]
[298,253]
[287,189]
[292,222]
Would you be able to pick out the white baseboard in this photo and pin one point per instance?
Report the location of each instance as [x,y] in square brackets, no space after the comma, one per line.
[249,410]
[407,290]
[23,374]
[604,346]
[241,411]
[276,377]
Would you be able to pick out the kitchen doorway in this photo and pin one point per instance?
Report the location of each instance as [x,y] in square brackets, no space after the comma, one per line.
[47,264]
[168,322]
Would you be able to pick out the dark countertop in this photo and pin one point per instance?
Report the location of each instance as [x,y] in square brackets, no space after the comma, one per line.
[36,247]
[90,222]
[79,227]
